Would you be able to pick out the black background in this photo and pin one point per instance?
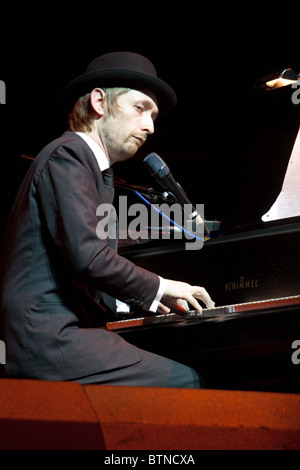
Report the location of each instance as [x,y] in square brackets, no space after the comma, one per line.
[226,144]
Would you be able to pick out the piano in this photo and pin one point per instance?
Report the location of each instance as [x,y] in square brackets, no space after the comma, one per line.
[249,340]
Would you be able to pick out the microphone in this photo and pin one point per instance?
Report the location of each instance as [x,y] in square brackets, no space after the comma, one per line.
[161,172]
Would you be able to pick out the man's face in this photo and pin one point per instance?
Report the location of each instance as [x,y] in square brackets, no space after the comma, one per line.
[123,133]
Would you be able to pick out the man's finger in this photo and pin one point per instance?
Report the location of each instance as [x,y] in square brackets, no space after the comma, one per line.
[201,294]
[162,309]
[194,303]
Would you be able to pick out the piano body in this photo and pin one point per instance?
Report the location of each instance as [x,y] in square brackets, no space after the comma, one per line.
[253,273]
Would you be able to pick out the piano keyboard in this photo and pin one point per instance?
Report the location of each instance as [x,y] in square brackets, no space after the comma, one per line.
[206,313]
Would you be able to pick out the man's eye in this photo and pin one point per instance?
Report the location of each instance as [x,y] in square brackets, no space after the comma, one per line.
[139,108]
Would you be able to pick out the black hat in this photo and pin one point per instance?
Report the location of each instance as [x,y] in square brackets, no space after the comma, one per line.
[121,69]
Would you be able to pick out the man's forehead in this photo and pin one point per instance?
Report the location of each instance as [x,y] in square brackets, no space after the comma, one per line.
[144,94]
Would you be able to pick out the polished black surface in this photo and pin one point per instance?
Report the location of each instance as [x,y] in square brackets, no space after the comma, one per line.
[249,350]
[242,351]
[248,263]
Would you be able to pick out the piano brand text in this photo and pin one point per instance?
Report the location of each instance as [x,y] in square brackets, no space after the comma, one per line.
[241,283]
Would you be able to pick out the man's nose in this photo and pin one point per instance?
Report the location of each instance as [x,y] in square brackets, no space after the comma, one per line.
[147,124]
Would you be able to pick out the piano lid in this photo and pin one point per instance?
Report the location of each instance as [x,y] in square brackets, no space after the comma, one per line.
[287,203]
[263,160]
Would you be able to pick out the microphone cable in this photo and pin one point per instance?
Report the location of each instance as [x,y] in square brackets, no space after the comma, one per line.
[170,220]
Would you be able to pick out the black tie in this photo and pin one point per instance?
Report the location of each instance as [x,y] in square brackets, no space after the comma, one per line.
[108,179]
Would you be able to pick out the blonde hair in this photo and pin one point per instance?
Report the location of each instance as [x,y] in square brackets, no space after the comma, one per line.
[82,115]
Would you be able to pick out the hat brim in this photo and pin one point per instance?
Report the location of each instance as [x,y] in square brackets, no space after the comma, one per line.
[85,83]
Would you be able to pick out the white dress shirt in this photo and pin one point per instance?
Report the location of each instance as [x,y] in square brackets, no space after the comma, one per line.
[103,165]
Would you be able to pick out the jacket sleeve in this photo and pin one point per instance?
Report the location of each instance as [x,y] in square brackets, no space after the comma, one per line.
[69,195]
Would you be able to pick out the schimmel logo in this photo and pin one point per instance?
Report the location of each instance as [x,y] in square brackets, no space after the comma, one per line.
[2,353]
[2,92]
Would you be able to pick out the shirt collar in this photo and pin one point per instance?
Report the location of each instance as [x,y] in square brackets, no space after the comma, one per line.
[97,151]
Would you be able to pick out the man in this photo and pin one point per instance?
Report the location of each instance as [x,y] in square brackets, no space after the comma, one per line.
[57,271]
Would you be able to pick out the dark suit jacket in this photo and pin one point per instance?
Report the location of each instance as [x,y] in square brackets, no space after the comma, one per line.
[52,266]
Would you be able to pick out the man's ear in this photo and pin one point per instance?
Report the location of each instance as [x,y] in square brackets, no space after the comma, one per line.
[97,101]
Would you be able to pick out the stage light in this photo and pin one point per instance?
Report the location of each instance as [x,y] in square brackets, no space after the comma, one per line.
[277,79]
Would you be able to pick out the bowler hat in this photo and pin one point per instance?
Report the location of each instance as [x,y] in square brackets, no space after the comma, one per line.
[121,69]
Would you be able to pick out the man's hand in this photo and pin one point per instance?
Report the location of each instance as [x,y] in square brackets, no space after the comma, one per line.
[179,297]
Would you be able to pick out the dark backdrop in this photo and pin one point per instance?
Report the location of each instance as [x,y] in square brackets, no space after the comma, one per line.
[227,144]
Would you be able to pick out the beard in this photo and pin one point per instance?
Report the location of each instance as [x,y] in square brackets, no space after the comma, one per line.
[120,152]
[119,147]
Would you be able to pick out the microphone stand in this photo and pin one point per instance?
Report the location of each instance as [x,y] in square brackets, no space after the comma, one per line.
[149,193]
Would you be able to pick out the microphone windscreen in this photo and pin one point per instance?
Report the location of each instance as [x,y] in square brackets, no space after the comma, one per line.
[155,165]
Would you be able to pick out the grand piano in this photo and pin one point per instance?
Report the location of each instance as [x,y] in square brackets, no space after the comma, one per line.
[252,272]
[249,340]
